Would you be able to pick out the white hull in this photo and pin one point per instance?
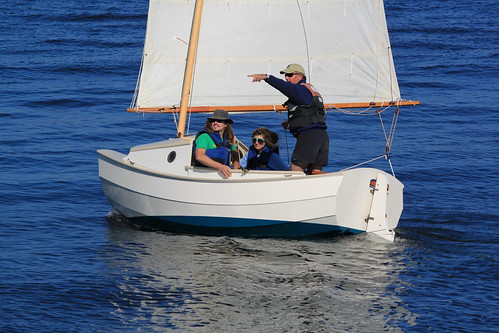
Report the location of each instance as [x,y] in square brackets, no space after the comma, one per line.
[150,186]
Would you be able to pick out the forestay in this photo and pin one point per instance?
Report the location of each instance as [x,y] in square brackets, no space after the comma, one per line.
[343,45]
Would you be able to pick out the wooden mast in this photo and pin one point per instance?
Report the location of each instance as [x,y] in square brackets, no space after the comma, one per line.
[189,67]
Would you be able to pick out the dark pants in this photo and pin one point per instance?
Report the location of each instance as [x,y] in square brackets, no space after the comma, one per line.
[312,147]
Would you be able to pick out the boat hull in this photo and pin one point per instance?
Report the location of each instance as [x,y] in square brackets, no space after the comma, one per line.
[237,227]
[175,196]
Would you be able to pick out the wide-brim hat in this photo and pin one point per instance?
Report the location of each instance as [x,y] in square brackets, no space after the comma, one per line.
[293,68]
[220,114]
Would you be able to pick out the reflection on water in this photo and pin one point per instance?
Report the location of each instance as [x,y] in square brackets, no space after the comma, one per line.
[202,283]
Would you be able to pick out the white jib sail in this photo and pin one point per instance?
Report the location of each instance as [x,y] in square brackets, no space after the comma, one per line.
[342,44]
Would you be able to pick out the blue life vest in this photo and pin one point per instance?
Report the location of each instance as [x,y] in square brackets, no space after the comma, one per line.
[261,162]
[220,154]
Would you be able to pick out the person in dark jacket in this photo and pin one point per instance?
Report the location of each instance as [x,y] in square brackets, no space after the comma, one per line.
[306,118]
[263,154]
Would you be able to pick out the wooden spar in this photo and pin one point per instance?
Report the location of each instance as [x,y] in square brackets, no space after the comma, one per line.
[263,108]
[189,67]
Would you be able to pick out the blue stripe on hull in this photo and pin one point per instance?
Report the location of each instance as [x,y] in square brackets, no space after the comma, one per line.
[220,226]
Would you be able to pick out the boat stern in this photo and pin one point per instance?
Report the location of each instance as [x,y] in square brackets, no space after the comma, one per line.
[371,200]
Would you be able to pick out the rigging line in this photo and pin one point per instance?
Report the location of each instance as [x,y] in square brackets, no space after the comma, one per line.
[390,71]
[306,39]
[382,126]
[395,120]
[174,119]
[362,163]
[191,93]
[365,112]
[285,134]
[190,96]
[391,167]
[389,138]
[133,103]
[387,141]
[393,125]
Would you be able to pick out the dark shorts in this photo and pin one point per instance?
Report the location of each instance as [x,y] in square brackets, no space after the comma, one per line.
[312,147]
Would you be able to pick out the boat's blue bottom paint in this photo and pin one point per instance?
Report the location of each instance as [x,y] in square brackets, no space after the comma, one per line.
[220,222]
[219,226]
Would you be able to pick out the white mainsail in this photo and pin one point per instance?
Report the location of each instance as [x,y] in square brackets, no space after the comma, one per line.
[342,44]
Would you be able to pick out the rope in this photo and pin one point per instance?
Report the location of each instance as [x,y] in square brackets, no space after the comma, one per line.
[389,135]
[285,135]
[391,167]
[190,96]
[175,119]
[306,38]
[367,112]
[362,163]
[133,103]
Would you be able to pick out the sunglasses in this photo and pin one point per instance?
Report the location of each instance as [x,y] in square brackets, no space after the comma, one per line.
[217,121]
[259,141]
[289,74]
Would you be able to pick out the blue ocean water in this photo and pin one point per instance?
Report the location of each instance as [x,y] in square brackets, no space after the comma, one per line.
[68,74]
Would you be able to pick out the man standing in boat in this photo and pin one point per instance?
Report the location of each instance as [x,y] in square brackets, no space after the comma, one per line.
[306,118]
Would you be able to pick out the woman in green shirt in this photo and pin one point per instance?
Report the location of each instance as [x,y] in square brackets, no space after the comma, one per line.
[217,143]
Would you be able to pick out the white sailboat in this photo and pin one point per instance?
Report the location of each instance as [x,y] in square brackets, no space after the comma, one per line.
[196,58]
